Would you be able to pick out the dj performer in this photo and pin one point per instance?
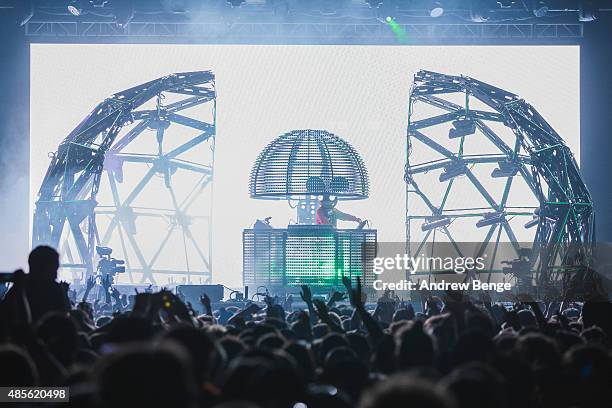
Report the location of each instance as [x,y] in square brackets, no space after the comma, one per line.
[327,214]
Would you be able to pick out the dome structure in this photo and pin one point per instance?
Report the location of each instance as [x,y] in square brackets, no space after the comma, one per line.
[309,162]
[500,173]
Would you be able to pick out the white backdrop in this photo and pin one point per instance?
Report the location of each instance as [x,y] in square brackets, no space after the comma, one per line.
[359,93]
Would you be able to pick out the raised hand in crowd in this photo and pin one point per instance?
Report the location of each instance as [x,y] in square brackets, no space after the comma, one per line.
[116,295]
[334,297]
[205,302]
[89,285]
[323,313]
[240,317]
[306,296]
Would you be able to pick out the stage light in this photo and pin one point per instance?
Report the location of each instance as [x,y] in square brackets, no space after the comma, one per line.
[539,8]
[98,3]
[505,3]
[462,127]
[124,12]
[374,3]
[175,6]
[491,219]
[280,8]
[330,7]
[505,169]
[587,12]
[454,170]
[75,7]
[536,218]
[479,11]
[436,9]
[437,221]
[25,11]
[535,221]
[398,30]
[235,3]
[386,11]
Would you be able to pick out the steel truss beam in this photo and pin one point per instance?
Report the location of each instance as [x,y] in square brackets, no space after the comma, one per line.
[97,145]
[244,31]
[565,227]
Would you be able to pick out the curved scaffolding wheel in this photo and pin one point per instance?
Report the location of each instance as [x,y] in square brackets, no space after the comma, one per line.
[500,170]
[136,175]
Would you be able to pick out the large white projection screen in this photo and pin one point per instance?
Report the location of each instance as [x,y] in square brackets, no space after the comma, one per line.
[359,93]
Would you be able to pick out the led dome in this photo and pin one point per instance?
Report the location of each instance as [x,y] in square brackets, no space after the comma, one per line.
[306,163]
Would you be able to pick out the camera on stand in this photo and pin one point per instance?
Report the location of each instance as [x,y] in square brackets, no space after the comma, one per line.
[108,266]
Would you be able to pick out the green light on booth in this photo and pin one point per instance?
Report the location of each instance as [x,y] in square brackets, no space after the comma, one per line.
[398,31]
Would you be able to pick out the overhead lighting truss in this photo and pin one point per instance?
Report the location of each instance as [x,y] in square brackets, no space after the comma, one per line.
[321,31]
[313,20]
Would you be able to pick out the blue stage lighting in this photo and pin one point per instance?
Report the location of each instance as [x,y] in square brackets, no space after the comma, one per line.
[462,127]
[454,170]
[437,221]
[505,169]
[491,219]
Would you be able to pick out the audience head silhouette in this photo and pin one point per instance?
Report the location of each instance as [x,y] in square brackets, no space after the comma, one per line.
[44,263]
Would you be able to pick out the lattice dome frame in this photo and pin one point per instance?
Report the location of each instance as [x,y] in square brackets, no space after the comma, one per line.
[100,145]
[564,216]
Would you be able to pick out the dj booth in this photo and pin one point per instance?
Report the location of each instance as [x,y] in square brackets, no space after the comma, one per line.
[314,255]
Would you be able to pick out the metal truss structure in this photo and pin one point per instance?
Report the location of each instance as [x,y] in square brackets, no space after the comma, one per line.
[112,144]
[287,31]
[312,21]
[530,151]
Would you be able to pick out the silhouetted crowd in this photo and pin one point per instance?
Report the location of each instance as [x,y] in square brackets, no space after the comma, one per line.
[154,350]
